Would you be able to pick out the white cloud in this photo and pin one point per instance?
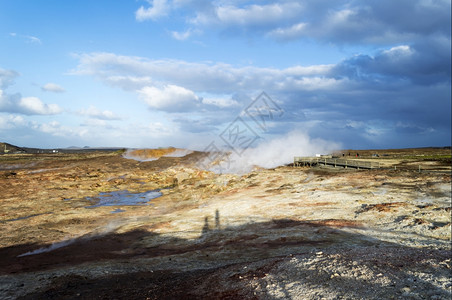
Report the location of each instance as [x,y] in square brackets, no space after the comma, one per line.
[11,121]
[129,82]
[95,113]
[129,72]
[55,128]
[314,70]
[34,106]
[249,15]
[15,103]
[96,123]
[343,21]
[288,33]
[403,50]
[33,39]
[52,87]
[169,98]
[28,38]
[221,102]
[158,9]
[52,127]
[359,89]
[7,78]
[181,36]
[257,14]
[158,129]
[26,105]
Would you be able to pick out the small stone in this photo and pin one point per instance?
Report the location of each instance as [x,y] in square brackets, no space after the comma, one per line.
[406,290]
[379,275]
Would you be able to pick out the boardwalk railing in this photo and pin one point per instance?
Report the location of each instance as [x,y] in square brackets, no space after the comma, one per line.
[336,162]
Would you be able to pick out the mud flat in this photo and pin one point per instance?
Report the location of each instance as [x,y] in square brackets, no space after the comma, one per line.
[283,233]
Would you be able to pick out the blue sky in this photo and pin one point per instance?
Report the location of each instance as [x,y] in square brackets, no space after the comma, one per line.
[136,73]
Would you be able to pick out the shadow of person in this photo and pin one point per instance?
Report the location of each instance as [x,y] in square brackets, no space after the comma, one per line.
[283,252]
[217,220]
[205,228]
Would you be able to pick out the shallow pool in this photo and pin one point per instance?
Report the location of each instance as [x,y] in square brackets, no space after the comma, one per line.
[123,198]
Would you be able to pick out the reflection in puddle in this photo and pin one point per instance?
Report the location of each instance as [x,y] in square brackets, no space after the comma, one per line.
[118,210]
[124,197]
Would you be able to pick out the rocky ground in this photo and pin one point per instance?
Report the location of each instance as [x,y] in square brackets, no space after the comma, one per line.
[284,233]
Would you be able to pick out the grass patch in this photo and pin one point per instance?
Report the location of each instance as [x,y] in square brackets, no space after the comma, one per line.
[427,157]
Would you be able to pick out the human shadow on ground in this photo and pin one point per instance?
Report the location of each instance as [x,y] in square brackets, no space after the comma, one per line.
[222,262]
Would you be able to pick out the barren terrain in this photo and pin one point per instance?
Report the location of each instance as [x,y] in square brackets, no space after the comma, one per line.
[284,233]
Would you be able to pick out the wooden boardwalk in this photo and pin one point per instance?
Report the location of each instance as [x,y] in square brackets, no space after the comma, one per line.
[335,162]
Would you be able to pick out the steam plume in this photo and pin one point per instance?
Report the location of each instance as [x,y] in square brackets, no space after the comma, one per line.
[272,153]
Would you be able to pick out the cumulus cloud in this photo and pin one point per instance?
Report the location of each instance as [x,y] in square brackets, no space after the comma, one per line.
[408,67]
[127,82]
[198,77]
[95,113]
[7,78]
[402,62]
[26,105]
[181,35]
[363,87]
[288,33]
[53,87]
[157,9]
[15,103]
[34,106]
[11,121]
[92,123]
[52,127]
[221,102]
[255,14]
[343,21]
[169,98]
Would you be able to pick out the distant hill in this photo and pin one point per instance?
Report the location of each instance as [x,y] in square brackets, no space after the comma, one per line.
[8,148]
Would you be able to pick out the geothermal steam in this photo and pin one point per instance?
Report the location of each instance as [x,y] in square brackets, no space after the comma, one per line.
[273,153]
[154,154]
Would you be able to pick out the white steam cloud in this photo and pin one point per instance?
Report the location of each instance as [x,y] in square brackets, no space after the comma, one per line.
[52,247]
[108,228]
[272,153]
[129,154]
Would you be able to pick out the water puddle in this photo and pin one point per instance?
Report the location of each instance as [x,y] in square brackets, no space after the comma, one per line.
[123,198]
